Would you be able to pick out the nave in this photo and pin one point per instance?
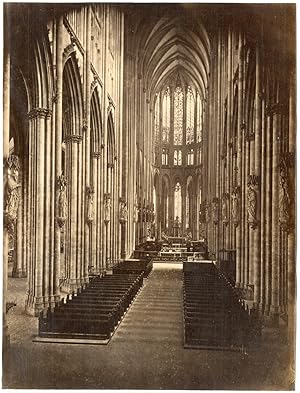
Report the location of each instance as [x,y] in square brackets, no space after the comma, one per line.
[145,352]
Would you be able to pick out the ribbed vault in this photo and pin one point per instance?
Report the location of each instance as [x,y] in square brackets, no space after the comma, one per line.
[172,43]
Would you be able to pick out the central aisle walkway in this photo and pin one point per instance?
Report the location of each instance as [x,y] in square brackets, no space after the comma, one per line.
[146,351]
[156,314]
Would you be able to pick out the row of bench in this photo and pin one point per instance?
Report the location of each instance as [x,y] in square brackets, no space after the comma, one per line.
[214,316]
[95,311]
[134,266]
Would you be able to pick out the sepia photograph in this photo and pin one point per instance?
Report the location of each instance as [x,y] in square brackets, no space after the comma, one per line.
[149,196]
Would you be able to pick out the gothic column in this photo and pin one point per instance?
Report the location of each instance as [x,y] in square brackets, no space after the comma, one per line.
[58,142]
[18,244]
[87,139]
[72,142]
[184,194]
[291,274]
[93,228]
[275,217]
[25,249]
[258,163]
[37,297]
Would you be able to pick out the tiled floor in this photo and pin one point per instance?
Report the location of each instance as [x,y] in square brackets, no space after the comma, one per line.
[145,352]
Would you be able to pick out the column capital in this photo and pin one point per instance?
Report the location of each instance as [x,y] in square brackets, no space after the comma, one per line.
[276,108]
[96,155]
[39,112]
[73,138]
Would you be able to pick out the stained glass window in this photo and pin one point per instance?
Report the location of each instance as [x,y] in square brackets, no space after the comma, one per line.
[175,157]
[166,116]
[199,118]
[156,119]
[190,110]
[190,157]
[165,157]
[178,116]
[180,157]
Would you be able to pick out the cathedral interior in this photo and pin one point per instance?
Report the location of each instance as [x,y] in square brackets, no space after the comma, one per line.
[149,196]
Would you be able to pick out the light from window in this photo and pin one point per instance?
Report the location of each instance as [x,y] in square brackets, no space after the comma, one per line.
[156,119]
[178,116]
[199,118]
[190,109]
[164,157]
[175,157]
[166,116]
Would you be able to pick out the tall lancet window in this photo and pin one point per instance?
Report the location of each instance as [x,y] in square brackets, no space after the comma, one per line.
[190,110]
[178,116]
[156,120]
[166,116]
[199,118]
[177,201]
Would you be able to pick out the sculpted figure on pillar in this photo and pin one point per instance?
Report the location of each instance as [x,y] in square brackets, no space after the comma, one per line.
[207,212]
[12,192]
[252,200]
[235,207]
[215,210]
[225,208]
[284,197]
[90,205]
[61,205]
[123,211]
[107,206]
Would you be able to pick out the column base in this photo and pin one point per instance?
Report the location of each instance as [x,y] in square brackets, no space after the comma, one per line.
[271,320]
[5,339]
[17,273]
[34,306]
[24,273]
[70,285]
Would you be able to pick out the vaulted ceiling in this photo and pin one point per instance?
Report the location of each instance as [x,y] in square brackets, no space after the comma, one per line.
[173,43]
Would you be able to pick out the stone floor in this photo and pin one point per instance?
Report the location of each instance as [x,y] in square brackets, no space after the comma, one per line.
[146,351]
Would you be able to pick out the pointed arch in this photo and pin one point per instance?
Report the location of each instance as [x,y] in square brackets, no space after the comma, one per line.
[96,122]
[72,98]
[110,139]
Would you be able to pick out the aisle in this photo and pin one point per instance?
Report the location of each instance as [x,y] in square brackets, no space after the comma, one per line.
[156,314]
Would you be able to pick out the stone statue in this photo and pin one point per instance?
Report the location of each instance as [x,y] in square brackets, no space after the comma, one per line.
[90,205]
[12,198]
[215,210]
[284,197]
[123,211]
[135,213]
[252,200]
[225,209]
[235,207]
[107,206]
[207,212]
[62,204]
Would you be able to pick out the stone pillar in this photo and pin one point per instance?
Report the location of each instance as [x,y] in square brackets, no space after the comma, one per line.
[58,142]
[275,226]
[6,127]
[92,257]
[18,247]
[25,249]
[72,142]
[258,162]
[291,274]
[48,214]
[38,195]
[237,191]
[268,207]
